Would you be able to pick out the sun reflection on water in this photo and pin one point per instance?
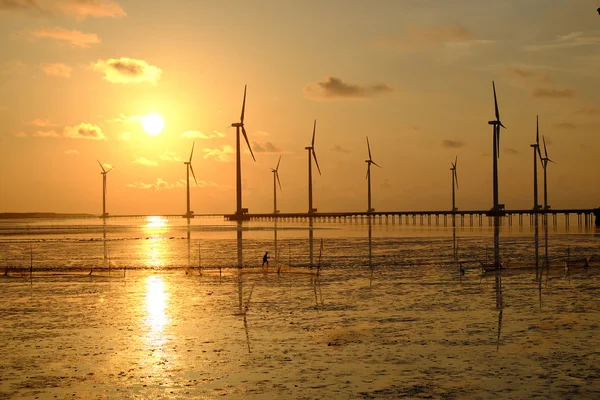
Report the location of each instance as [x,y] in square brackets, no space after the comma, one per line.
[154,248]
[156,304]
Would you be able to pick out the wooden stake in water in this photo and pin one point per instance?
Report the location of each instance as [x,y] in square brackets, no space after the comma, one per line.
[109,263]
[199,260]
[320,253]
[31,262]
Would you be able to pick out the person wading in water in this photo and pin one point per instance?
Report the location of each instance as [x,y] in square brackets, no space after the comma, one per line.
[266,259]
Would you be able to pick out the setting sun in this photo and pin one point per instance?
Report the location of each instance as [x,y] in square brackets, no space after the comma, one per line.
[153,124]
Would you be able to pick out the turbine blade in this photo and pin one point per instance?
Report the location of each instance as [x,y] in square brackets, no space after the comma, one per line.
[545,150]
[316,162]
[111,168]
[374,163]
[314,131]
[502,125]
[243,106]
[368,170]
[192,153]
[247,142]
[277,168]
[496,102]
[539,151]
[101,166]
[537,130]
[278,181]
[369,147]
[455,162]
[456,178]
[194,175]
[551,161]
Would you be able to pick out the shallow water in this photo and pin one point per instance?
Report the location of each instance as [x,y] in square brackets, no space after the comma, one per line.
[404,325]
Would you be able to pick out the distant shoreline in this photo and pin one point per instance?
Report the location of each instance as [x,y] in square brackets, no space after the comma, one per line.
[44,215]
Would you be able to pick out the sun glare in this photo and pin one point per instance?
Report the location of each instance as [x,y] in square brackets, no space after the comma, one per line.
[153,124]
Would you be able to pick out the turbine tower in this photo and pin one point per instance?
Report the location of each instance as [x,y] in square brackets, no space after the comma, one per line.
[369,162]
[545,161]
[104,172]
[454,182]
[536,152]
[496,124]
[311,151]
[188,167]
[238,164]
[275,182]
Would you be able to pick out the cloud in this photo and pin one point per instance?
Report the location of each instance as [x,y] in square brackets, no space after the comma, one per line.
[530,74]
[72,152]
[19,134]
[426,38]
[554,93]
[588,111]
[220,154]
[264,147]
[339,149]
[160,184]
[511,151]
[126,119]
[46,134]
[43,123]
[565,125]
[128,70]
[58,70]
[335,88]
[84,131]
[171,156]
[74,37]
[452,144]
[144,161]
[77,8]
[574,39]
[199,135]
[126,136]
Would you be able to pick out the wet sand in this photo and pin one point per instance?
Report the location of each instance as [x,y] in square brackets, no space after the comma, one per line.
[396,333]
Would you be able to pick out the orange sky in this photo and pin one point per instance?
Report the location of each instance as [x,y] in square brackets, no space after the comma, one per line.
[415,76]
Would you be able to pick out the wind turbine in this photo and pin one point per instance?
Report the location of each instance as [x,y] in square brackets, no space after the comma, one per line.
[238,163]
[536,152]
[454,182]
[311,151]
[368,177]
[496,124]
[188,167]
[275,181]
[104,172]
[545,161]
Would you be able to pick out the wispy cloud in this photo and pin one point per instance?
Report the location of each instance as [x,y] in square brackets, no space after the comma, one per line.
[565,125]
[265,147]
[126,119]
[57,70]
[452,144]
[160,184]
[339,149]
[199,135]
[588,111]
[335,89]
[419,39]
[128,70]
[144,161]
[511,151]
[79,9]
[19,134]
[219,154]
[554,93]
[530,74]
[46,134]
[41,122]
[72,152]
[73,37]
[171,156]
[574,39]
[84,131]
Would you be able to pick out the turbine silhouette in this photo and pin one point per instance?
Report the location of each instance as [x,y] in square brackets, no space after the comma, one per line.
[311,155]
[188,168]
[104,172]
[545,161]
[454,182]
[240,126]
[536,153]
[276,180]
[496,124]
[368,177]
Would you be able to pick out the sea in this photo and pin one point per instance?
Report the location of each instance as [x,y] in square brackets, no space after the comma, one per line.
[159,307]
